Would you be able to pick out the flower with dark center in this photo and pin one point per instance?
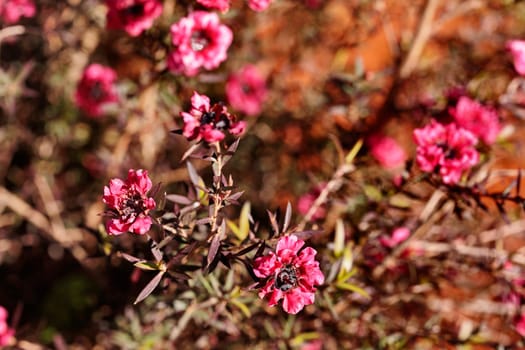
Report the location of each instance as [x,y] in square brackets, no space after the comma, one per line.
[448,150]
[129,204]
[209,123]
[133,16]
[291,274]
[96,90]
[200,41]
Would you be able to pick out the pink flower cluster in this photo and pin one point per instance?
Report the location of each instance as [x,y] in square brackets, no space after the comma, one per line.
[482,121]
[246,90]
[6,333]
[517,49]
[292,274]
[129,204]
[209,123]
[132,16]
[386,151]
[200,40]
[12,10]
[445,149]
[96,89]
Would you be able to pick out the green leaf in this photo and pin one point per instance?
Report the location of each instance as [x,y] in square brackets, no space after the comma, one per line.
[352,288]
[339,238]
[147,265]
[244,309]
[244,221]
[353,152]
[304,337]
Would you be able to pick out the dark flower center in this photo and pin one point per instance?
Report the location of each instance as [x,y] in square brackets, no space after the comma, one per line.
[132,206]
[216,118]
[286,279]
[134,10]
[208,117]
[199,41]
[450,153]
[96,92]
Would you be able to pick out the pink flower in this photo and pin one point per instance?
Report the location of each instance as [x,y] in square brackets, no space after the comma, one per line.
[200,40]
[6,333]
[259,5]
[446,149]
[386,151]
[129,204]
[246,90]
[520,325]
[133,16]
[209,123]
[306,201]
[12,10]
[96,89]
[476,118]
[292,274]
[517,49]
[399,235]
[221,5]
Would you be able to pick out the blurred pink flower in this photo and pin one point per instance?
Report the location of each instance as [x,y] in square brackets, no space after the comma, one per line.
[316,344]
[259,5]
[209,122]
[96,89]
[246,90]
[517,49]
[221,5]
[200,40]
[445,149]
[520,325]
[12,10]
[6,333]
[306,201]
[129,204]
[399,235]
[133,16]
[386,151]
[480,120]
[292,274]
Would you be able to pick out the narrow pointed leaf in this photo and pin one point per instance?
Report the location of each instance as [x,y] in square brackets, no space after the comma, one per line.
[150,287]
[287,217]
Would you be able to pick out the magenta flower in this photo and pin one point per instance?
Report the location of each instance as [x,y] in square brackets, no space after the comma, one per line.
[221,5]
[480,120]
[133,16]
[292,274]
[200,40]
[259,5]
[517,49]
[399,235]
[246,90]
[445,149]
[96,89]
[305,202]
[12,10]
[6,333]
[386,151]
[129,204]
[209,122]
[520,325]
